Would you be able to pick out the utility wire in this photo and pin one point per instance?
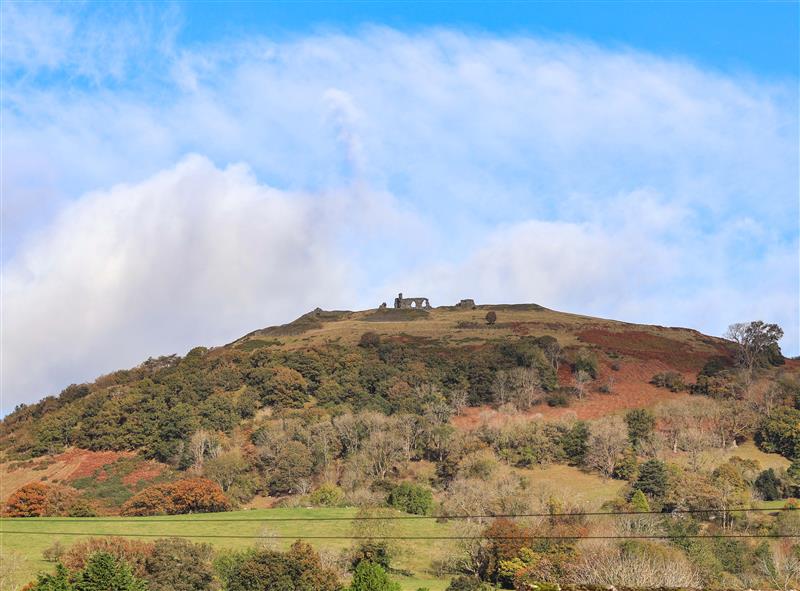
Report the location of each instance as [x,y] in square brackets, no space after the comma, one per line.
[198,517]
[300,537]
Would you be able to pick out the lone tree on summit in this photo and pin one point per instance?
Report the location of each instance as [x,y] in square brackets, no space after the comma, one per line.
[758,343]
[491,317]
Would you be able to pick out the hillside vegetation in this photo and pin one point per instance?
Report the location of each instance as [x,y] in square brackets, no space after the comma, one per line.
[448,412]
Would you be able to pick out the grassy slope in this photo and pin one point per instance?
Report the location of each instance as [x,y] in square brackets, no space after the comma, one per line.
[587,489]
[414,556]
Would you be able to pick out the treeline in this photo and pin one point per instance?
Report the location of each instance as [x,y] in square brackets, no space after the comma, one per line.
[157,406]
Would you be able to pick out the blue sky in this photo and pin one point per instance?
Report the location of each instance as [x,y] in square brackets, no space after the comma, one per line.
[758,36]
[180,174]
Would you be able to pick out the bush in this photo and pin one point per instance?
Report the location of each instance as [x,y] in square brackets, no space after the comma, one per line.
[779,433]
[769,486]
[28,501]
[411,498]
[557,399]
[327,495]
[491,317]
[192,495]
[585,361]
[299,569]
[54,552]
[132,552]
[467,584]
[180,565]
[369,576]
[102,572]
[369,340]
[669,379]
[44,500]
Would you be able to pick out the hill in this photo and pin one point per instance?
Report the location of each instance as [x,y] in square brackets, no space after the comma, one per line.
[453,411]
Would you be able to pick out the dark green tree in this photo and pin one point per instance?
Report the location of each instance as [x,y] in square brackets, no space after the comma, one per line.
[60,581]
[653,479]
[103,572]
[769,485]
[411,498]
[641,423]
[780,433]
[575,442]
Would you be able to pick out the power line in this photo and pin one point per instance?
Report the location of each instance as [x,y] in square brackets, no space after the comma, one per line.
[198,519]
[344,537]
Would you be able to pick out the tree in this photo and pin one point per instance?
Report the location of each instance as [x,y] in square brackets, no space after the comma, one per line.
[581,379]
[59,581]
[226,469]
[369,576]
[606,442]
[491,317]
[179,565]
[191,495]
[639,502]
[769,485]
[411,498]
[780,433]
[28,501]
[652,480]
[755,341]
[292,468]
[299,569]
[641,423]
[575,443]
[104,572]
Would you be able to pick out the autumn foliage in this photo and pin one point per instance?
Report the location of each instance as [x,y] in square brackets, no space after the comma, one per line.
[133,552]
[192,495]
[41,500]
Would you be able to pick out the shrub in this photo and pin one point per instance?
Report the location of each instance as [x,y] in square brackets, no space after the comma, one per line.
[779,433]
[327,495]
[132,552]
[192,495]
[557,399]
[54,552]
[299,569]
[769,486]
[43,500]
[28,501]
[411,498]
[491,317]
[669,379]
[180,565]
[587,362]
[466,584]
[369,576]
[369,340]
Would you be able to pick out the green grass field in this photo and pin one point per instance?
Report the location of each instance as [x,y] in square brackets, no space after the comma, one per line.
[33,535]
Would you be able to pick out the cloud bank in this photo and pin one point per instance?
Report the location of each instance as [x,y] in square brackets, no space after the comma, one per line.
[604,182]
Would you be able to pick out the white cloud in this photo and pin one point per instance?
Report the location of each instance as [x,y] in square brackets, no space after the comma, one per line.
[596,181]
[192,255]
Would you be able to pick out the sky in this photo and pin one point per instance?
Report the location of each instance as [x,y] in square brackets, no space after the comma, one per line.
[180,174]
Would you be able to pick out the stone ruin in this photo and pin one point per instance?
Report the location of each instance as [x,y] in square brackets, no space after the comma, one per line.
[468,304]
[401,303]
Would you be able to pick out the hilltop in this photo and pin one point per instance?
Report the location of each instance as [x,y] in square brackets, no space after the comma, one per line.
[137,423]
[455,410]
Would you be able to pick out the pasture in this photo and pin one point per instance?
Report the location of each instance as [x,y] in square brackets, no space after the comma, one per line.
[28,538]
